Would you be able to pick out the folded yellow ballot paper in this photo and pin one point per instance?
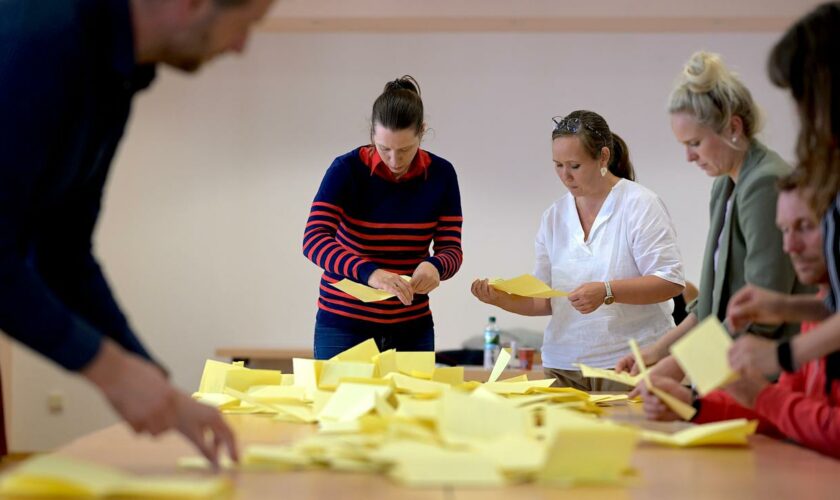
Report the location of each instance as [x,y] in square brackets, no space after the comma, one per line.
[702,353]
[361,353]
[501,363]
[620,377]
[583,449]
[527,286]
[364,292]
[55,476]
[728,432]
[683,410]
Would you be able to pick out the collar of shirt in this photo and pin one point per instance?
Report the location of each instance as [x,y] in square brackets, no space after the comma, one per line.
[419,165]
[123,59]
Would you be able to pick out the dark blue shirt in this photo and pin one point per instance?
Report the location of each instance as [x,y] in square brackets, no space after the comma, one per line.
[67,78]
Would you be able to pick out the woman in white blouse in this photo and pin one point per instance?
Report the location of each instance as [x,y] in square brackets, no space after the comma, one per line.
[611,244]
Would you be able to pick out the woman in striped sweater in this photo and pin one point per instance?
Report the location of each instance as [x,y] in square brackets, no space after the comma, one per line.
[378,210]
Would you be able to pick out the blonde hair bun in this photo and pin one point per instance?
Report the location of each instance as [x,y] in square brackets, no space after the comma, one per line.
[704,71]
[713,94]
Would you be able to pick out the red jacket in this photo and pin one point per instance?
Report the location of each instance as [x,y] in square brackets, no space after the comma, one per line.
[796,407]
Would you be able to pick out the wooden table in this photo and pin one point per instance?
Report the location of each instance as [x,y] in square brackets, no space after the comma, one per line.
[767,469]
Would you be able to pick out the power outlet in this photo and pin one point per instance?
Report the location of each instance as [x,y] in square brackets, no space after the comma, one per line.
[55,402]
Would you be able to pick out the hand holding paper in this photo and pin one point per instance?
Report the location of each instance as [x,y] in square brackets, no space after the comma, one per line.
[681,408]
[702,354]
[392,283]
[364,292]
[527,286]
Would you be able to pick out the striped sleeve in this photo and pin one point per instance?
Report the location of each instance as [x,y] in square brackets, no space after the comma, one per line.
[319,241]
[448,254]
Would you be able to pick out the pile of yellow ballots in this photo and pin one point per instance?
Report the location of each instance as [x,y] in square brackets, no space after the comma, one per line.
[396,413]
[51,476]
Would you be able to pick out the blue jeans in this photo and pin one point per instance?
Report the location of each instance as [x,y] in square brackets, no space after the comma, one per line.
[330,340]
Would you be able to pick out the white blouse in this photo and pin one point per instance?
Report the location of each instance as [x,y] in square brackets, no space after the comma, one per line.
[632,236]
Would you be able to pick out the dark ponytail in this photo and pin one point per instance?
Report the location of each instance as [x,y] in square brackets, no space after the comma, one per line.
[620,164]
[399,107]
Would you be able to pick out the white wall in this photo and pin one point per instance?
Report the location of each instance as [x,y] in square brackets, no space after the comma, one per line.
[206,206]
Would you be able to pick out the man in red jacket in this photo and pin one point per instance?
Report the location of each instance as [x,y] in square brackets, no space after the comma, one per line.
[802,405]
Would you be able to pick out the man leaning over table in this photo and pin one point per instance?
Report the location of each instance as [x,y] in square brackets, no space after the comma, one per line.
[70,70]
[803,405]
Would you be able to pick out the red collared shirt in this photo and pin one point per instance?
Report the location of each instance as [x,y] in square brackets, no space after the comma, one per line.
[419,165]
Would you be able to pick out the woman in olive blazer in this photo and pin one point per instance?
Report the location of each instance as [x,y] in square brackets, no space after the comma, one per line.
[714,117]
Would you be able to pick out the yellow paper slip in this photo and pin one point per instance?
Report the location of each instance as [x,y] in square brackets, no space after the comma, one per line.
[333,371]
[728,432]
[351,401]
[213,376]
[527,286]
[685,411]
[452,375]
[450,468]
[587,450]
[620,377]
[412,385]
[364,292]
[385,362]
[420,362]
[499,367]
[277,393]
[216,400]
[51,475]
[241,379]
[361,353]
[702,353]
[609,398]
[517,387]
[467,419]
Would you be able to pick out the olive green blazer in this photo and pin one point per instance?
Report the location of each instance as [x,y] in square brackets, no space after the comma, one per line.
[750,243]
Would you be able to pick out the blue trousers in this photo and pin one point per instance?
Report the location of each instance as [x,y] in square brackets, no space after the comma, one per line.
[330,341]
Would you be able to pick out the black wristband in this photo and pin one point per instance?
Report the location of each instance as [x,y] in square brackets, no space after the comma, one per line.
[784,355]
[696,403]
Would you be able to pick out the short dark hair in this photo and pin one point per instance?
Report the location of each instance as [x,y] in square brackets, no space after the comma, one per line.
[399,106]
[594,134]
[792,182]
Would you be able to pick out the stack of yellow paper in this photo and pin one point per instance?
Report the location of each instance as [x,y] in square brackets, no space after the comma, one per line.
[55,476]
[527,286]
[398,414]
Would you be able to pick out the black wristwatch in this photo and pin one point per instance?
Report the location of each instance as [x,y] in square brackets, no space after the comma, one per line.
[784,355]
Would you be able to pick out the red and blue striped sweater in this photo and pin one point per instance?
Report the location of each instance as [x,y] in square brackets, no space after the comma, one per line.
[362,219]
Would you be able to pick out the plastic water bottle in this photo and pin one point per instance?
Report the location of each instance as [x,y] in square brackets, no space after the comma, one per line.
[491,343]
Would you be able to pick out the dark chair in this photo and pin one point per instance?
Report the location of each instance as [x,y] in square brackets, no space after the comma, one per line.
[460,357]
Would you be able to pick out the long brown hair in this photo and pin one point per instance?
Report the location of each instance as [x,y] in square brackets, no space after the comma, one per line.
[807,61]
